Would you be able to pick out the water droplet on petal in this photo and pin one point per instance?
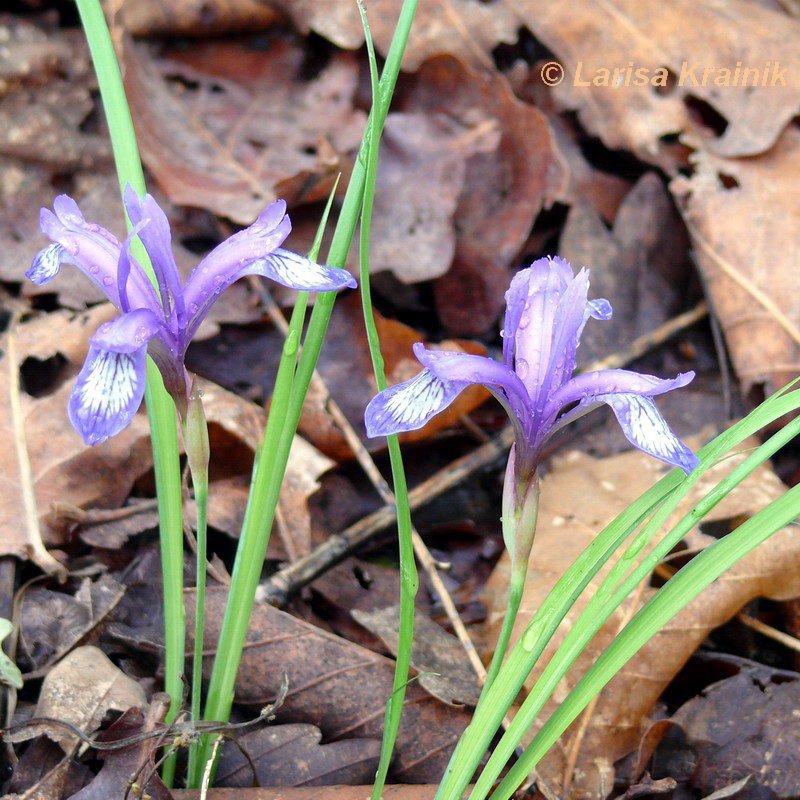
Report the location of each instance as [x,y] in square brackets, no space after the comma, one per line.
[522,368]
[193,308]
[107,281]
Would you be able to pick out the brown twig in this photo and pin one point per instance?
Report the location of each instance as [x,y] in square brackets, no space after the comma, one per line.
[767,630]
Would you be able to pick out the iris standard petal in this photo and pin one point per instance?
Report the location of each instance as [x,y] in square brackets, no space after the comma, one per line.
[466,368]
[409,405]
[152,226]
[534,336]
[515,304]
[570,318]
[645,428]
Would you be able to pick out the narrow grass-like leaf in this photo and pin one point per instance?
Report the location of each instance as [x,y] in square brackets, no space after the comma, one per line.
[680,590]
[610,595]
[409,580]
[160,408]
[264,489]
[272,456]
[668,491]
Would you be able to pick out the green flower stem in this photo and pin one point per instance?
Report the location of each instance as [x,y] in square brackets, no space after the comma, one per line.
[409,579]
[261,502]
[287,404]
[160,407]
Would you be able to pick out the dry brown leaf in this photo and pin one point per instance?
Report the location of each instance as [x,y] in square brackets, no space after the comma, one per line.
[341,686]
[305,466]
[504,188]
[229,127]
[743,727]
[436,655]
[80,689]
[195,17]
[578,180]
[291,755]
[52,623]
[614,33]
[420,179]
[579,498]
[43,120]
[31,55]
[133,761]
[744,220]
[62,468]
[468,29]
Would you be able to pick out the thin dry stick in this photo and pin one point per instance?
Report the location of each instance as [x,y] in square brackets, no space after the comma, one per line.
[292,578]
[767,630]
[36,549]
[746,284]
[207,771]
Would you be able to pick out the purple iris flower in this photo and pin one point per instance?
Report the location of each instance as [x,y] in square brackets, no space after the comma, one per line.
[110,386]
[547,306]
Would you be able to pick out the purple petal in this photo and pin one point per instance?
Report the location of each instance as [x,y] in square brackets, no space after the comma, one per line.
[535,333]
[600,309]
[298,272]
[46,264]
[409,405]
[152,227]
[570,318]
[129,332]
[110,385]
[516,297]
[613,381]
[645,428]
[107,393]
[466,369]
[549,328]
[231,260]
[91,248]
